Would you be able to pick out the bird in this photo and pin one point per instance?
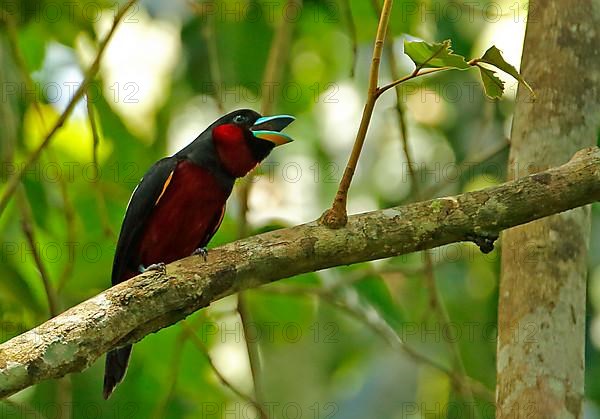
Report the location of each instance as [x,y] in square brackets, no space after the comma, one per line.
[179,204]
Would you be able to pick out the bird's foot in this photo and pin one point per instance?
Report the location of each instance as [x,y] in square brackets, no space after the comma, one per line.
[201,251]
[161,267]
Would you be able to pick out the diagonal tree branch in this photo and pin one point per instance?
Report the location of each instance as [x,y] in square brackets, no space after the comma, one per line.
[129,311]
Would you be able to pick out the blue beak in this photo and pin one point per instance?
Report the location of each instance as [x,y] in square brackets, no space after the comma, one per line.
[269,128]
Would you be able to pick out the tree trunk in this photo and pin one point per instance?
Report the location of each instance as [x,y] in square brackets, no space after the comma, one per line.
[541,314]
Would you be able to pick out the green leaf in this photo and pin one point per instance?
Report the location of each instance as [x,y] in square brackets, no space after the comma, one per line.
[426,55]
[494,87]
[493,56]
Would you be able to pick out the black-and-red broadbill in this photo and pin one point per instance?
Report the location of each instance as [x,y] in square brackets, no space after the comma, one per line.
[180,202]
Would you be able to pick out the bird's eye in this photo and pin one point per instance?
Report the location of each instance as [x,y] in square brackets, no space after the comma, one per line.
[240,119]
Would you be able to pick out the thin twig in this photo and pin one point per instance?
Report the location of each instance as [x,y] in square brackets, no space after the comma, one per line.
[382,328]
[27,227]
[243,196]
[418,72]
[102,210]
[337,216]
[27,221]
[69,211]
[464,382]
[352,32]
[159,411]
[272,73]
[64,392]
[274,67]
[466,164]
[435,301]
[24,72]
[251,346]
[70,221]
[202,348]
[214,68]
[15,179]
[213,61]
[64,397]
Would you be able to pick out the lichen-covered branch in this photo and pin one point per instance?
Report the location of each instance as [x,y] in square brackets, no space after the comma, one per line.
[129,311]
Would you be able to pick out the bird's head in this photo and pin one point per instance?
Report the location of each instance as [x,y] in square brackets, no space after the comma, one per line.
[243,138]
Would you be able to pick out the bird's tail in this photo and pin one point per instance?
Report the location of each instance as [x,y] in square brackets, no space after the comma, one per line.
[115,368]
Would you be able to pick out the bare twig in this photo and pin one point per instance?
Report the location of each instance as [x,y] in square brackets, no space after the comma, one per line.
[102,210]
[347,10]
[467,163]
[272,73]
[251,346]
[209,35]
[27,226]
[381,328]
[202,348]
[277,53]
[435,301]
[337,216]
[27,221]
[69,211]
[64,392]
[70,221]
[15,179]
[175,366]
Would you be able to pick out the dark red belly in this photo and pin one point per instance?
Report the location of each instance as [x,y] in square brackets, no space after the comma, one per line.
[187,215]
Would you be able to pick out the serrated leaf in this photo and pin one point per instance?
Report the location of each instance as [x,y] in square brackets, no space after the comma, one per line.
[437,55]
[494,87]
[493,56]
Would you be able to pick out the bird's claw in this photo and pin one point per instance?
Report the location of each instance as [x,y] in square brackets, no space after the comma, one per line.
[161,267]
[201,251]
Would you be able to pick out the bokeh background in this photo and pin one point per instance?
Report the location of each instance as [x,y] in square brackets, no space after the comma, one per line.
[362,341]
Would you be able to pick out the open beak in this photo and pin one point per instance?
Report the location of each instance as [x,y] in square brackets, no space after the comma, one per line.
[269,128]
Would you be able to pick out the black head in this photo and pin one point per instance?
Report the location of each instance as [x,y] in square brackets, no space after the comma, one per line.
[244,138]
[238,141]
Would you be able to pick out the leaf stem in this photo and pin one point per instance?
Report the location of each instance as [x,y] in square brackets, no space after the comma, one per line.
[416,73]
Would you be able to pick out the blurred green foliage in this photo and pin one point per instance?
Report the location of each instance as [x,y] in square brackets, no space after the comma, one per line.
[322,355]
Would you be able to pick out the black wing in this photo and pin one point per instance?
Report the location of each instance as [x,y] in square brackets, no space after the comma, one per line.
[140,207]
